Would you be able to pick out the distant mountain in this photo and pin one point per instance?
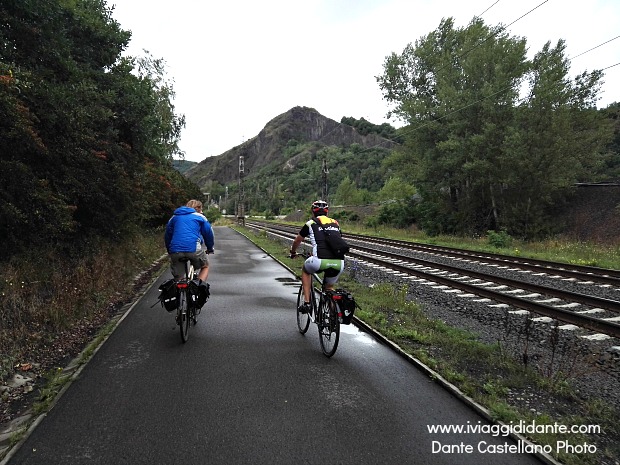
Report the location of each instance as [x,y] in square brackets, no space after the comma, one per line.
[183,165]
[298,125]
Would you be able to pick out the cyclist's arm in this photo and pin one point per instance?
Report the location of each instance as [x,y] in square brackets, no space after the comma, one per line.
[298,240]
[207,234]
[303,233]
[168,234]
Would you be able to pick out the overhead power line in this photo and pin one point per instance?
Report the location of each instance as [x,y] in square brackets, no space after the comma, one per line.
[505,89]
[523,16]
[488,9]
[593,48]
[611,66]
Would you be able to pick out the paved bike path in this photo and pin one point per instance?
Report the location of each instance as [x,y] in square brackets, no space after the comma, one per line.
[247,388]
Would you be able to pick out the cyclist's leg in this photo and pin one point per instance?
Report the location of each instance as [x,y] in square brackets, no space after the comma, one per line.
[201,263]
[306,281]
[311,265]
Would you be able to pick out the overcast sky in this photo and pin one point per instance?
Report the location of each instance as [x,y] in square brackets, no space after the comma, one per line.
[237,64]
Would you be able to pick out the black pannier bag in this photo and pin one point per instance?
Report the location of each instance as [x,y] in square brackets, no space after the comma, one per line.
[199,293]
[168,295]
[346,303]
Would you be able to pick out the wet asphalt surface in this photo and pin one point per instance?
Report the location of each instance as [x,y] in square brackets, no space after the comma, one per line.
[247,388]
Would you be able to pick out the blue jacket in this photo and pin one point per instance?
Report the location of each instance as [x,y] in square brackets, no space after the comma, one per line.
[187,230]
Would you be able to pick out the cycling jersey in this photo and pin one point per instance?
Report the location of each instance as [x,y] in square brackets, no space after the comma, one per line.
[313,230]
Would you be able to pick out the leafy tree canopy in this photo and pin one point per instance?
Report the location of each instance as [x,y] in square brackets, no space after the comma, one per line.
[366,127]
[494,140]
[87,135]
[396,189]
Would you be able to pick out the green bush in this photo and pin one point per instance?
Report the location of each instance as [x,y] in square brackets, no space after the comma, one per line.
[499,239]
[346,215]
[399,214]
[213,214]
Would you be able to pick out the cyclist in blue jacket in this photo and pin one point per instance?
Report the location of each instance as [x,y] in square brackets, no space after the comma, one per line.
[189,235]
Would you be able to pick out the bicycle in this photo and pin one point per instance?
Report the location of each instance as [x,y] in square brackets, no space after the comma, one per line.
[187,312]
[326,314]
[184,296]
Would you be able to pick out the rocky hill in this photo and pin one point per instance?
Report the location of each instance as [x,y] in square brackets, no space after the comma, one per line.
[300,124]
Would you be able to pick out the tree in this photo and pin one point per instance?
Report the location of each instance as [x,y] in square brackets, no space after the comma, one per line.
[473,142]
[164,126]
[87,140]
[348,193]
[366,127]
[611,162]
[399,214]
[556,139]
[395,189]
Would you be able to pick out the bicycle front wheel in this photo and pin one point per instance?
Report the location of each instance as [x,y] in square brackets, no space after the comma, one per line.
[329,326]
[303,319]
[183,316]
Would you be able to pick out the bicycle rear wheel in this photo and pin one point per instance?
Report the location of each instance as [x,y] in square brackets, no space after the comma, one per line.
[303,319]
[183,316]
[329,326]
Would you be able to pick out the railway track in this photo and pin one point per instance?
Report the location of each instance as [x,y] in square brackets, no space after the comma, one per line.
[595,308]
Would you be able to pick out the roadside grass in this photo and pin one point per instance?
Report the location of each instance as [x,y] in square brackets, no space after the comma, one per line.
[45,297]
[554,250]
[484,372]
[55,379]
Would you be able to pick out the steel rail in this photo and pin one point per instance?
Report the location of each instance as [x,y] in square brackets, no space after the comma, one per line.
[585,273]
[584,321]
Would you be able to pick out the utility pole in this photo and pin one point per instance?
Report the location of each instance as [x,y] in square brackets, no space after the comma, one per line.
[241,194]
[325,173]
[226,202]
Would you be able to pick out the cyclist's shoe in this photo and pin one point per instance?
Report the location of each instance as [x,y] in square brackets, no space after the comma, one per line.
[305,307]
